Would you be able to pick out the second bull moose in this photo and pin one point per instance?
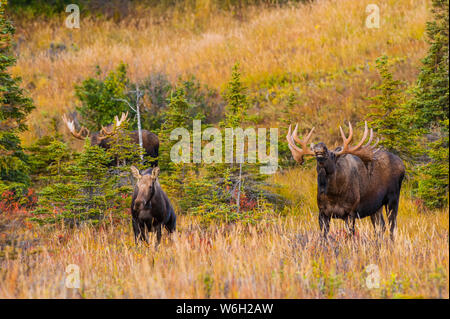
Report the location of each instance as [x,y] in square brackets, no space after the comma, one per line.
[150,141]
[353,181]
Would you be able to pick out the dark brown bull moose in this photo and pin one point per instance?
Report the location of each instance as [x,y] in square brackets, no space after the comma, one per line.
[150,141]
[150,206]
[353,181]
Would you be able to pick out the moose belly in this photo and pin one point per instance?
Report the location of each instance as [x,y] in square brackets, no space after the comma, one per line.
[145,215]
[334,209]
[149,216]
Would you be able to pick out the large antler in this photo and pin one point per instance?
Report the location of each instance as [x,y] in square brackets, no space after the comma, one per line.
[365,152]
[81,134]
[109,130]
[122,119]
[297,152]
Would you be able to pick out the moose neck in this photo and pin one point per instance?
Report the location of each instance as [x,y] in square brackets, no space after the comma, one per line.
[325,173]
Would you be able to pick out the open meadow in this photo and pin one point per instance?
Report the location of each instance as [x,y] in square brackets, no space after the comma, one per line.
[283,257]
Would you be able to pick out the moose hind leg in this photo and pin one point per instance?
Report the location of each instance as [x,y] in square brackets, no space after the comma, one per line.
[350,224]
[378,222]
[391,212]
[324,224]
[158,235]
[171,224]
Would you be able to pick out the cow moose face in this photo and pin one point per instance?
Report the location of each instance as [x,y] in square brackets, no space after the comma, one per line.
[145,187]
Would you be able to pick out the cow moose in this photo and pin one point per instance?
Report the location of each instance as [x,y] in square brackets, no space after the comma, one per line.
[353,181]
[150,206]
[150,141]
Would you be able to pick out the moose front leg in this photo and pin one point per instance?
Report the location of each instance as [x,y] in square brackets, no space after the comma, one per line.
[350,223]
[139,231]
[136,230]
[324,223]
[158,235]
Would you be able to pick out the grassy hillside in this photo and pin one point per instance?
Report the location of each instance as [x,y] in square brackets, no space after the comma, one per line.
[323,50]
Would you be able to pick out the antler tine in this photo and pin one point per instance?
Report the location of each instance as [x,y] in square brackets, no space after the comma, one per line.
[378,139]
[303,142]
[291,143]
[67,122]
[372,147]
[71,126]
[122,118]
[106,131]
[366,131]
[296,151]
[347,140]
[370,138]
[306,139]
[350,135]
[309,135]
[365,152]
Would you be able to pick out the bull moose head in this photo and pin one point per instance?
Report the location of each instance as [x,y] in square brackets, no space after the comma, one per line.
[327,159]
[97,138]
[145,187]
[323,154]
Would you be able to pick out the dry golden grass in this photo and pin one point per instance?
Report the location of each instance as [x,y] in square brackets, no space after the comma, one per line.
[278,258]
[327,36]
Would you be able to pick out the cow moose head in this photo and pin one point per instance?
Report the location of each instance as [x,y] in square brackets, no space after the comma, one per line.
[145,187]
[98,138]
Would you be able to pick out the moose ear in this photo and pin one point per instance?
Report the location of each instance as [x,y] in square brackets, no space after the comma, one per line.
[135,172]
[155,172]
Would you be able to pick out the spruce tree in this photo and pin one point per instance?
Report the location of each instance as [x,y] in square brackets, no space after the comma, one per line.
[176,116]
[123,149]
[237,101]
[101,98]
[242,180]
[391,118]
[14,108]
[90,175]
[431,103]
[84,193]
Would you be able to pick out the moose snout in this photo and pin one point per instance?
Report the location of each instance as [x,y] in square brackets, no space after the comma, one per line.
[320,151]
[139,205]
